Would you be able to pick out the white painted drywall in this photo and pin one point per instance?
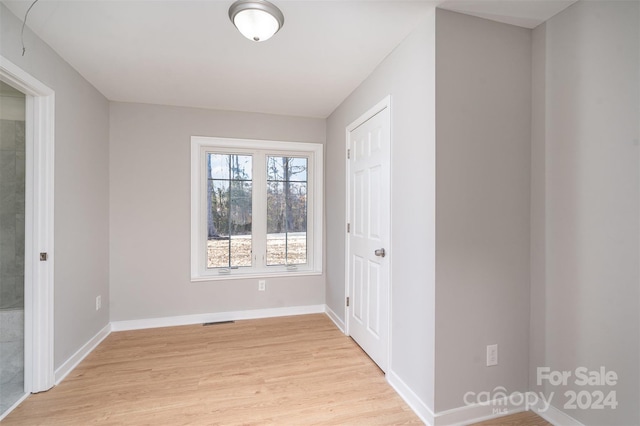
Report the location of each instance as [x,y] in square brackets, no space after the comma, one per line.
[81,188]
[483,133]
[407,74]
[150,213]
[591,174]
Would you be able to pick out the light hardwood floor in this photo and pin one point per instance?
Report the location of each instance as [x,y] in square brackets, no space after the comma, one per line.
[284,371]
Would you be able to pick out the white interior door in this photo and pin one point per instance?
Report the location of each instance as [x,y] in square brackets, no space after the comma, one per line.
[369,232]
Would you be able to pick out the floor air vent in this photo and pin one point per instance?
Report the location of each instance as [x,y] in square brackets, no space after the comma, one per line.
[218,323]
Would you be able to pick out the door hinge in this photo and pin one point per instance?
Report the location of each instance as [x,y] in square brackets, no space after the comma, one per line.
[348,154]
[347,301]
[348,227]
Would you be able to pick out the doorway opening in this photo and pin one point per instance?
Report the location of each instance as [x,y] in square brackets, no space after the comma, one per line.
[26,261]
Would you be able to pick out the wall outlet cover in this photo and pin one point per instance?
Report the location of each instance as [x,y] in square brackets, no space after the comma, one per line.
[492,355]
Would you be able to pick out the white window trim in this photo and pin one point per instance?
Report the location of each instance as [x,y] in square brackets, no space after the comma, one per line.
[200,144]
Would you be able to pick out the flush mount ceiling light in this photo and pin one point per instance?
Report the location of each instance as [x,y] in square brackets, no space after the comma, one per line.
[257,20]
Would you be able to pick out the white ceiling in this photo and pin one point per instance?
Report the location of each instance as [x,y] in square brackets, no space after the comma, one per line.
[523,13]
[188,53]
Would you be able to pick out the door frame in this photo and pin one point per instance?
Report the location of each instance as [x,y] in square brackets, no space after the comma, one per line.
[39,229]
[378,107]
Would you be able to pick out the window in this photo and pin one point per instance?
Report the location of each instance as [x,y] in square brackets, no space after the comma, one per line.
[229,205]
[256,208]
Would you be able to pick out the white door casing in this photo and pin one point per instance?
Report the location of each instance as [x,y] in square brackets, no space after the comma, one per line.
[369,236]
[39,209]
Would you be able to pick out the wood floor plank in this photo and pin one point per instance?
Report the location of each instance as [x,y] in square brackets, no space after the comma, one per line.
[282,371]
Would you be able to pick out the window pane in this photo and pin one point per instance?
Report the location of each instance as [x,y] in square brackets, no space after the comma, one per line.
[240,227]
[229,210]
[218,253]
[240,250]
[218,208]
[286,211]
[275,168]
[290,169]
[296,248]
[297,169]
[240,166]
[217,166]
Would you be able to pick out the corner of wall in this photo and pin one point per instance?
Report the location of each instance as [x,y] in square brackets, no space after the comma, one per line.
[537,340]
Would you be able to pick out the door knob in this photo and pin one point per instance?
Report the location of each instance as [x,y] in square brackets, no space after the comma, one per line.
[380,252]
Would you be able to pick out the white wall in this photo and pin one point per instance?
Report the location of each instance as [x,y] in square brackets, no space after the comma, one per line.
[81,188]
[591,181]
[407,74]
[150,213]
[483,132]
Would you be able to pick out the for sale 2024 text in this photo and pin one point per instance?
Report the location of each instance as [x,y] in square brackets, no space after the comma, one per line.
[595,396]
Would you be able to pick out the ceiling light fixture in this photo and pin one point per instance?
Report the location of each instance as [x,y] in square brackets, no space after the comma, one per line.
[257,20]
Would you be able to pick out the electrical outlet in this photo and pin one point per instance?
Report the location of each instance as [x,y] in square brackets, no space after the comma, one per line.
[492,355]
[98,302]
[262,285]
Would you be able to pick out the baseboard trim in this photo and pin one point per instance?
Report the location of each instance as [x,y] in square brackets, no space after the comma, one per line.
[215,317]
[75,359]
[335,318]
[555,416]
[412,400]
[477,412]
[502,407]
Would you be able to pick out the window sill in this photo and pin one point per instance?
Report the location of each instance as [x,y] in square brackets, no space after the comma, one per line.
[256,275]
